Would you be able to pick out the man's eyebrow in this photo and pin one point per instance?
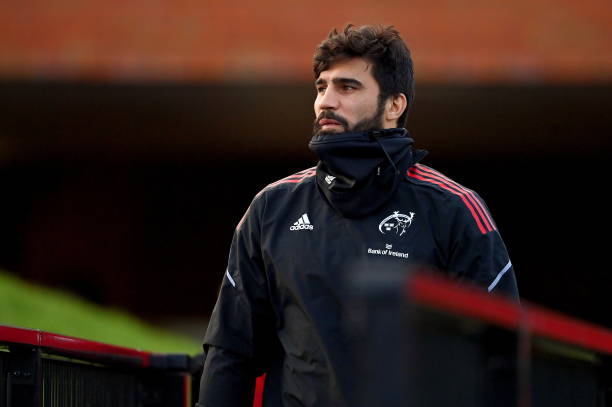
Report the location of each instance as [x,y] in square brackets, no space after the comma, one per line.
[347,81]
[342,81]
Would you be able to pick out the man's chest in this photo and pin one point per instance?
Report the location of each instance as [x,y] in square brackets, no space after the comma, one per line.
[308,235]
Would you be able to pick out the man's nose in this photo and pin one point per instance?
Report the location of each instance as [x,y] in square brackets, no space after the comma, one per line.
[329,100]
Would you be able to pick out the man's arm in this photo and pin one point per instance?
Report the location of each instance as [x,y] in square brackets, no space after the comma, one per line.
[242,326]
[478,253]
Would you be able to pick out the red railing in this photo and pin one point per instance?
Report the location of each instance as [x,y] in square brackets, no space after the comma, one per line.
[442,294]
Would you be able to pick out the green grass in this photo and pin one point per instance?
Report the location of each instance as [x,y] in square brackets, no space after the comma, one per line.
[26,305]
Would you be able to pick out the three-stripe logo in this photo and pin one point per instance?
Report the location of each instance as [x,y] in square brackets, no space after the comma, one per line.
[303,223]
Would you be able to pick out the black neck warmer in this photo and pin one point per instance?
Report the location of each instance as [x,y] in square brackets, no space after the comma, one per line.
[360,172]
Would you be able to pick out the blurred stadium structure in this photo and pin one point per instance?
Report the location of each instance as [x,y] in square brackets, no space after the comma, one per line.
[272,41]
[134,134]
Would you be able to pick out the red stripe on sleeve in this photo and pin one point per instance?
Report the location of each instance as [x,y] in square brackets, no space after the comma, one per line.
[431,171]
[293,178]
[411,173]
[456,187]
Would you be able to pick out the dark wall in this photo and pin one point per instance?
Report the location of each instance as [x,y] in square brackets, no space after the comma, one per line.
[129,194]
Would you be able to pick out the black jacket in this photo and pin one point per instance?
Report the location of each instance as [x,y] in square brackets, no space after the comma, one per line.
[282,304]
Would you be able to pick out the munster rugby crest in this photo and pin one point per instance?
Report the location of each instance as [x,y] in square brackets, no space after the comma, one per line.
[396,223]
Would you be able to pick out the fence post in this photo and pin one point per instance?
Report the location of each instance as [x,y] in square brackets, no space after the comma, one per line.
[23,378]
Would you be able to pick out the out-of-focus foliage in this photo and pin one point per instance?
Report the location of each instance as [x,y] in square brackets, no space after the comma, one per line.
[26,305]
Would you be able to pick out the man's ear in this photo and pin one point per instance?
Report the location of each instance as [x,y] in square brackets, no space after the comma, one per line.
[395,106]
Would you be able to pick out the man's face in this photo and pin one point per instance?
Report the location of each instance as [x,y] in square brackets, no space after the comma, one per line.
[347,98]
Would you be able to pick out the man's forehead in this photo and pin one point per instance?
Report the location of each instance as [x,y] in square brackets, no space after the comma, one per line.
[357,68]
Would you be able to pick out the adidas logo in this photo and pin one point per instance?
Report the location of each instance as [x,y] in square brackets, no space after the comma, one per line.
[303,223]
[329,179]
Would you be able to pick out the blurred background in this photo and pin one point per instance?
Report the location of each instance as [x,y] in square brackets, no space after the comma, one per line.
[133,136]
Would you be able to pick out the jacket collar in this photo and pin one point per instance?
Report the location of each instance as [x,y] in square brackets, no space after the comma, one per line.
[358,172]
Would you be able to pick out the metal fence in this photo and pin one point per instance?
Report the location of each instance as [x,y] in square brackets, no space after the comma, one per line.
[43,369]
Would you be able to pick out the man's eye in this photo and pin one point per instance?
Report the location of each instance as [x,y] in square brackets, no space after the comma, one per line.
[321,89]
[349,87]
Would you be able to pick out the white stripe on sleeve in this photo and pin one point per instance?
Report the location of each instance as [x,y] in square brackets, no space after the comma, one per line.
[499,276]
[231,280]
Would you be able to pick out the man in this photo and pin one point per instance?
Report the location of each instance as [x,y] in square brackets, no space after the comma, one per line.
[282,304]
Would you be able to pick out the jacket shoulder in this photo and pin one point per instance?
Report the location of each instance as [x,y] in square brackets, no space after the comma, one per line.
[291,182]
[287,185]
[429,178]
[468,201]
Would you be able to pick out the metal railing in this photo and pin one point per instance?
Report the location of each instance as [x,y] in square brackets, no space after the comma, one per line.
[44,369]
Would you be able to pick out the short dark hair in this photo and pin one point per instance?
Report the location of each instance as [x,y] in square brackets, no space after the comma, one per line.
[383,46]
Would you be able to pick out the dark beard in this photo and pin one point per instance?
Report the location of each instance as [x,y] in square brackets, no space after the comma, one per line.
[370,123]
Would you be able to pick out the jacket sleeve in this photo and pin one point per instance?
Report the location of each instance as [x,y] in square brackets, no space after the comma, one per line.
[227,380]
[242,325]
[477,252]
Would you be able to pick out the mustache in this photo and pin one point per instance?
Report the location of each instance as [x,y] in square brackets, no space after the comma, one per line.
[328,114]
